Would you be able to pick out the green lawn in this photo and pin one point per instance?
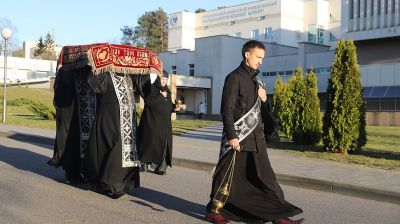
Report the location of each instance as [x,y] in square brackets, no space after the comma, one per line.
[382,149]
[20,114]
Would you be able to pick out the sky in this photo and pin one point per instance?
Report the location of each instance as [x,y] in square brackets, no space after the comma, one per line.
[88,21]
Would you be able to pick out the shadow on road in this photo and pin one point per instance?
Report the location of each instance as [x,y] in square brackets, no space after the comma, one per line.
[30,161]
[33,162]
[32,139]
[168,201]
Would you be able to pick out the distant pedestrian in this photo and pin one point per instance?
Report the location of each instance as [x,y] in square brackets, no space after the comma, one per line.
[202,109]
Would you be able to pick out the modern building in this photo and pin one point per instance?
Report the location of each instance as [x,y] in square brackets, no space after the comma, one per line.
[207,45]
[374,25]
[284,22]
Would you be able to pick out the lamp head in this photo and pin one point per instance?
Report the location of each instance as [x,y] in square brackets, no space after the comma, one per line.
[6,33]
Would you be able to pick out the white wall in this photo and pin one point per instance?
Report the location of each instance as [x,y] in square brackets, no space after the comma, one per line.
[380,74]
[26,69]
[181,31]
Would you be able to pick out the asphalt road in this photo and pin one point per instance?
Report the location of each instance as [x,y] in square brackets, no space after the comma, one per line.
[32,192]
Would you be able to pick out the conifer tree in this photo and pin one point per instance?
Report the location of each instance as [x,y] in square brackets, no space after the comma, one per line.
[312,123]
[343,128]
[281,108]
[298,92]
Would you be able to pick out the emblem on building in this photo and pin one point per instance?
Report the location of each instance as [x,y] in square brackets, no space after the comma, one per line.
[173,20]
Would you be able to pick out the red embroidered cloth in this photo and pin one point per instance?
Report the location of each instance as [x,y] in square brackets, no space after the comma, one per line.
[105,57]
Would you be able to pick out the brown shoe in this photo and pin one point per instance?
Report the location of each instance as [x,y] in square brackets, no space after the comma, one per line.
[288,221]
[216,218]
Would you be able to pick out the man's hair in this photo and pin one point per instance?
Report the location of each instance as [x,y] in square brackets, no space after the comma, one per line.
[251,44]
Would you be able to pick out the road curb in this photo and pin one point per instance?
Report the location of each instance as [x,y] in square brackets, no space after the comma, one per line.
[304,182]
[309,183]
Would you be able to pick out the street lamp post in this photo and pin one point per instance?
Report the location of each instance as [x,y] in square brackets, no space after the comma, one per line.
[6,33]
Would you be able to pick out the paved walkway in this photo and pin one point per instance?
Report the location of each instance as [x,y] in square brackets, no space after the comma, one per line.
[199,150]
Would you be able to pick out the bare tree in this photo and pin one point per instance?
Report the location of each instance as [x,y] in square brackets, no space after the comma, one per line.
[12,43]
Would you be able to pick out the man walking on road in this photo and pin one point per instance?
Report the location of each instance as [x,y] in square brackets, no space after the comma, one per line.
[244,186]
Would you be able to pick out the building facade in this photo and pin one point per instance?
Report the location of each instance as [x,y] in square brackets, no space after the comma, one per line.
[208,45]
[284,22]
[374,25]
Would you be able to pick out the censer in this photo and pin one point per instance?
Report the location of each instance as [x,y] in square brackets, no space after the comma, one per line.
[224,188]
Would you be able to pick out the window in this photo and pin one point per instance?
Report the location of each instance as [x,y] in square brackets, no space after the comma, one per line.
[351,7]
[358,8]
[322,70]
[268,33]
[270,73]
[372,8]
[379,7]
[288,73]
[298,34]
[173,69]
[191,69]
[316,34]
[365,8]
[332,37]
[312,33]
[237,34]
[320,35]
[393,6]
[254,34]
[386,7]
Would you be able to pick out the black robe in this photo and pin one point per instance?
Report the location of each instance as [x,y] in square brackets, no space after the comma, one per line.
[255,193]
[111,160]
[155,127]
[67,142]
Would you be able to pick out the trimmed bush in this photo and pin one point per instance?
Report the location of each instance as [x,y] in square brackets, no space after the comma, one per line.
[298,89]
[282,106]
[19,102]
[296,105]
[344,118]
[312,123]
[43,110]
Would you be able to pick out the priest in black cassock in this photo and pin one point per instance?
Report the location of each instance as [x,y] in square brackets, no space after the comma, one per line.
[155,128]
[244,186]
[112,162]
[73,121]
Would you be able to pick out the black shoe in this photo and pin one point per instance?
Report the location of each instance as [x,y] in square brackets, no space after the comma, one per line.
[117,195]
[160,172]
[144,167]
[72,178]
[52,162]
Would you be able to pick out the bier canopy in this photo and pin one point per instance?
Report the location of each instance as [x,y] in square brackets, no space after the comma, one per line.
[104,57]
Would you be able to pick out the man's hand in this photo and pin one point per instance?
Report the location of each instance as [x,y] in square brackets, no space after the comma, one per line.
[262,94]
[234,143]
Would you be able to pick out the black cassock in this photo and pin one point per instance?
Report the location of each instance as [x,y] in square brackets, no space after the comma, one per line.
[74,103]
[111,160]
[255,193]
[155,127]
